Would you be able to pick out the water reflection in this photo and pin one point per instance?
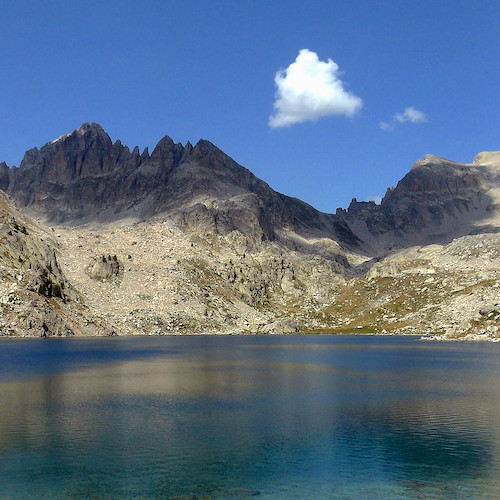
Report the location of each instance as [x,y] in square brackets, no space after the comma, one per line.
[232,417]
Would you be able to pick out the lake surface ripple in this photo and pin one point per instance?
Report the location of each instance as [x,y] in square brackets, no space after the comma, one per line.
[306,416]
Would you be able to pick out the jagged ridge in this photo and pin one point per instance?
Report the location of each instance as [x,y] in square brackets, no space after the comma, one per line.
[436,201]
[84,176]
[219,251]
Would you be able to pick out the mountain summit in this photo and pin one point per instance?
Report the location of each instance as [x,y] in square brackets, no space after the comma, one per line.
[84,176]
[186,240]
[436,201]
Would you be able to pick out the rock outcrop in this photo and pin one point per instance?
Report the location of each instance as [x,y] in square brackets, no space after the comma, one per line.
[437,201]
[36,298]
[185,240]
[104,267]
[83,177]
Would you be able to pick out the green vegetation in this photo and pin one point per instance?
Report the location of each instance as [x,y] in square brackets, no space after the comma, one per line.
[56,290]
[48,288]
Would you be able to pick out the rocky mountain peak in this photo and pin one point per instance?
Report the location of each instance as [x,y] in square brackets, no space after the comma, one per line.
[83,175]
[204,148]
[163,148]
[92,128]
[85,137]
[432,160]
[436,201]
[164,143]
[487,158]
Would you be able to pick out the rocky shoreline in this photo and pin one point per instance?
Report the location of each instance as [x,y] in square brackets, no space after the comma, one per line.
[430,338]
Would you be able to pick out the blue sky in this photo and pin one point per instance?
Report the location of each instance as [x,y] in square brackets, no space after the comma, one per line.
[198,69]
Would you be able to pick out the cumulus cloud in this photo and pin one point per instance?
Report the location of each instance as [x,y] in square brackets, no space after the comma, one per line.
[410,115]
[310,89]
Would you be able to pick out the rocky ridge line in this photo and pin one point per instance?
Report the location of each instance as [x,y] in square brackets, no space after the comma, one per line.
[185,240]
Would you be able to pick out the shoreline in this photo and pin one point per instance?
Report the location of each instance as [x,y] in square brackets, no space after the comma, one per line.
[423,337]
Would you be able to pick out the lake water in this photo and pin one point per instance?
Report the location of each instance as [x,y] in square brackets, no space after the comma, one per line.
[304,417]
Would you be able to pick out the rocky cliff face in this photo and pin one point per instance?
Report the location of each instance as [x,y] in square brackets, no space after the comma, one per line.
[185,240]
[84,176]
[36,298]
[437,201]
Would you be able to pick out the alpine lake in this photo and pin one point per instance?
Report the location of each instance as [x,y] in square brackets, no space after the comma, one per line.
[235,417]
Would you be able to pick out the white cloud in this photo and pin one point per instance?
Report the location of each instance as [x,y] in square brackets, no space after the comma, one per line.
[310,89]
[410,115]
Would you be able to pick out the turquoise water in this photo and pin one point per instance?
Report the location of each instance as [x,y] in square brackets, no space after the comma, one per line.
[241,417]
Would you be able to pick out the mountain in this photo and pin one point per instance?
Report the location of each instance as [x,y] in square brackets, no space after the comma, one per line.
[83,176]
[105,240]
[437,201]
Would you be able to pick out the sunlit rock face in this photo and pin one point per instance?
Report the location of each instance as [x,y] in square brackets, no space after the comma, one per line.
[436,201]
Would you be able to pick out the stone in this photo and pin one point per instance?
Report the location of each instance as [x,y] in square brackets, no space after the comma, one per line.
[210,248]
